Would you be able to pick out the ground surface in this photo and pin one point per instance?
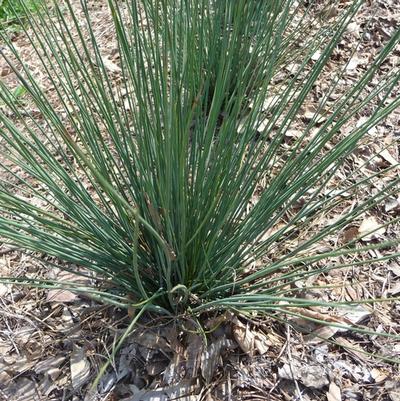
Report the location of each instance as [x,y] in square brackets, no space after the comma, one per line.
[52,343]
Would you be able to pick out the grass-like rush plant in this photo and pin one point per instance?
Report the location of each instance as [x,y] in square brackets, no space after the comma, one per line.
[170,181]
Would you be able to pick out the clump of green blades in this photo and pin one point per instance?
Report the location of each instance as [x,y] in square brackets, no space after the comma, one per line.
[148,181]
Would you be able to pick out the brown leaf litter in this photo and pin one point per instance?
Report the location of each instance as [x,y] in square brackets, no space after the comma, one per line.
[52,342]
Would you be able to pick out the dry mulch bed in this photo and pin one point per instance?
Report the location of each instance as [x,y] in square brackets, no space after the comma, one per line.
[52,343]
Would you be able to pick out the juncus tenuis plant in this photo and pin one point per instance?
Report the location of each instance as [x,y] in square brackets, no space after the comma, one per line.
[174,184]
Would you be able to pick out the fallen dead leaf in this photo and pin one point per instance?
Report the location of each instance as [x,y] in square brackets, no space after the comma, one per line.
[329,12]
[22,389]
[395,269]
[5,71]
[174,371]
[354,29]
[344,316]
[313,376]
[368,225]
[80,367]
[334,393]
[393,389]
[273,230]
[152,340]
[5,378]
[244,338]
[193,354]
[128,353]
[110,65]
[353,349]
[310,114]
[46,386]
[261,343]
[316,56]
[50,366]
[250,340]
[349,234]
[354,63]
[66,319]
[292,133]
[17,364]
[394,289]
[385,154]
[4,289]
[211,357]
[392,204]
[157,367]
[320,334]
[378,375]
[62,296]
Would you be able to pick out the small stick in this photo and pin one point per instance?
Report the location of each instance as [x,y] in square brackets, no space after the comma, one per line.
[290,364]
